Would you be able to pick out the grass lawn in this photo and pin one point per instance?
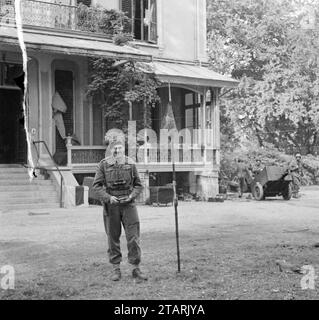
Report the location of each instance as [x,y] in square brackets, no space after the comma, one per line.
[228,251]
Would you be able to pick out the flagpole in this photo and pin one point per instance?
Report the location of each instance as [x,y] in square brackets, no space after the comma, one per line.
[175,200]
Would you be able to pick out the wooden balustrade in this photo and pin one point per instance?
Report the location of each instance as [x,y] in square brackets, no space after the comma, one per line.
[91,155]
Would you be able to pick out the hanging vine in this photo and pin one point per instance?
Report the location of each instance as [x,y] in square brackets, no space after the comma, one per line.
[112,84]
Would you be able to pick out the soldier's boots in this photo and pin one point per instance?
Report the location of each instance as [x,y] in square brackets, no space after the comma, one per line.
[139,275]
[116,275]
[136,273]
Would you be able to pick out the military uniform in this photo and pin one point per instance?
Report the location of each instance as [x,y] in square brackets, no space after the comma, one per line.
[257,169]
[296,169]
[244,176]
[119,178]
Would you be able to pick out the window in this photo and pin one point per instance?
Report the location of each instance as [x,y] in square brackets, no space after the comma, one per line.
[9,73]
[144,18]
[191,111]
[64,86]
[192,105]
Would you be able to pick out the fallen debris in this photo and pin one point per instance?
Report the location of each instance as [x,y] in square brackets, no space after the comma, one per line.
[297,230]
[39,213]
[285,266]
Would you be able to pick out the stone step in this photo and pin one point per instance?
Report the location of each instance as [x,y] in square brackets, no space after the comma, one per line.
[20,179]
[39,187]
[18,175]
[18,192]
[34,206]
[28,194]
[5,166]
[41,199]
[14,170]
[26,182]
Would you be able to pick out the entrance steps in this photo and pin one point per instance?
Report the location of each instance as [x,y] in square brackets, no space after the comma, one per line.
[18,192]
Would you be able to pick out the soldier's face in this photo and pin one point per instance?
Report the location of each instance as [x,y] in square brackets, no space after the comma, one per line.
[118,150]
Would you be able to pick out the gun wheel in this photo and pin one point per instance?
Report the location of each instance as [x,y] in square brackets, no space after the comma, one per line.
[258,192]
[288,192]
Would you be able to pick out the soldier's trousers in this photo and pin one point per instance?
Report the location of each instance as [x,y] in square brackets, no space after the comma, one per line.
[114,217]
[296,182]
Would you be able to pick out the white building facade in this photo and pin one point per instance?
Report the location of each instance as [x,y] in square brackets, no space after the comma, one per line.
[169,35]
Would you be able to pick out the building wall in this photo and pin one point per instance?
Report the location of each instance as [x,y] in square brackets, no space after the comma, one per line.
[181,29]
[41,69]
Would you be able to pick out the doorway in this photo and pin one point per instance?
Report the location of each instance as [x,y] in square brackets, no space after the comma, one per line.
[65,87]
[13,146]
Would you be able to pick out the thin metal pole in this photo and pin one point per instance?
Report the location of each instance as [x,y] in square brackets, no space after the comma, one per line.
[61,190]
[175,200]
[176,217]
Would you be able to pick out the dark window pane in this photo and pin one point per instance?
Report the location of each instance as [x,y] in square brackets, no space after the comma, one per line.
[10,73]
[86,2]
[64,86]
[144,18]
[137,20]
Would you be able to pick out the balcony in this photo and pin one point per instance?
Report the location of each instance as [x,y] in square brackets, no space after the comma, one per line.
[65,15]
[51,14]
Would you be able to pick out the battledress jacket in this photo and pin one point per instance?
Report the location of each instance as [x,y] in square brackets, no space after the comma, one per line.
[109,171]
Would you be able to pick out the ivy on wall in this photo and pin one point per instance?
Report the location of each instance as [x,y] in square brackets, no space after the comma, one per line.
[116,86]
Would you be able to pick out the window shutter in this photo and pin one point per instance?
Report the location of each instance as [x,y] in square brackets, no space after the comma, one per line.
[127,8]
[153,23]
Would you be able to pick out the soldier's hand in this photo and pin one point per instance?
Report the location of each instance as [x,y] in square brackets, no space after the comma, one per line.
[113,200]
[126,200]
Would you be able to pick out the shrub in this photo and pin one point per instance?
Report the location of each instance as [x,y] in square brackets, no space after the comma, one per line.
[269,156]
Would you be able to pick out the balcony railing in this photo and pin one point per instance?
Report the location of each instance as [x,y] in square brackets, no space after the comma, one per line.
[7,12]
[86,156]
[51,14]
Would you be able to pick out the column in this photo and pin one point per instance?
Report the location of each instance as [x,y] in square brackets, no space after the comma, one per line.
[46,125]
[204,126]
[217,124]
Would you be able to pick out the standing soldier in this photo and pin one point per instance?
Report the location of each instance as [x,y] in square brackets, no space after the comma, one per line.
[296,169]
[258,167]
[244,176]
[117,184]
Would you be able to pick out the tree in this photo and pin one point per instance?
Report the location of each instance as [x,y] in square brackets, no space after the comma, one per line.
[272,51]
